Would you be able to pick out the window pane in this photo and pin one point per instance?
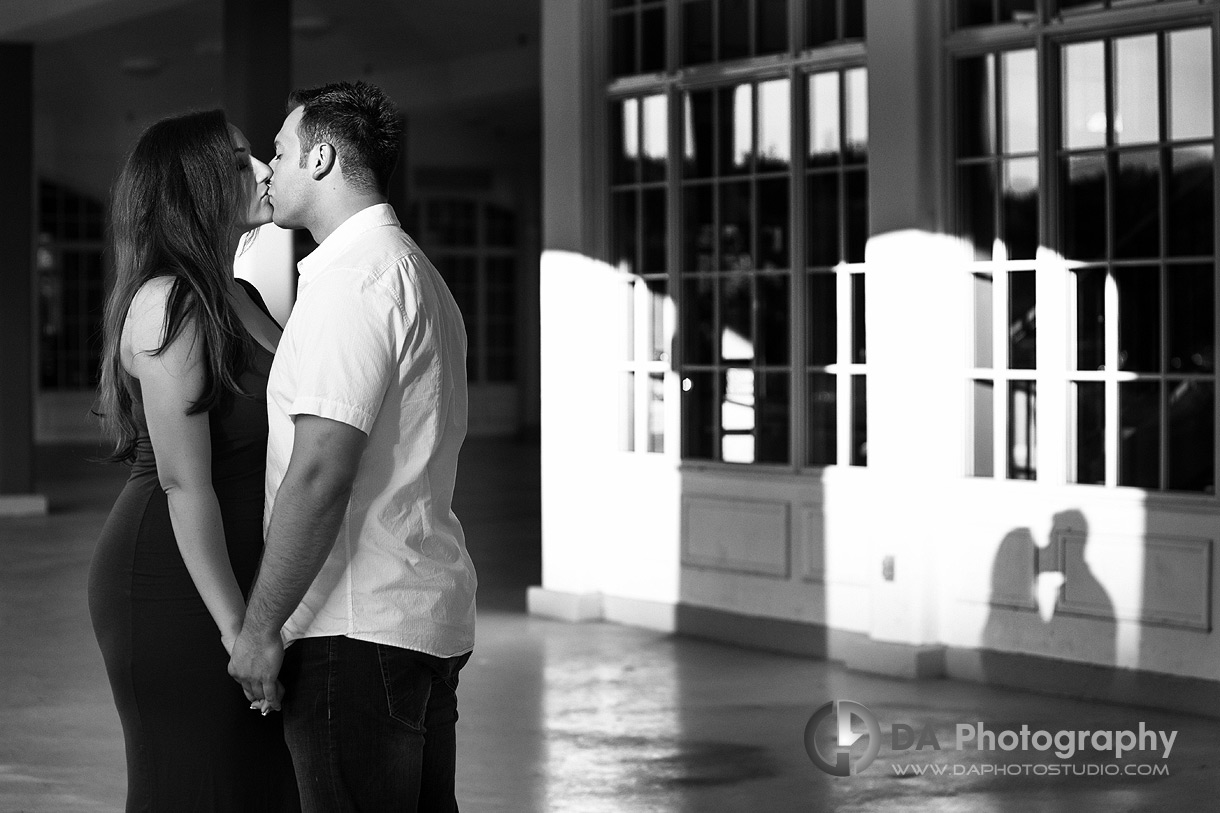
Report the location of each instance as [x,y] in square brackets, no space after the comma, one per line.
[859,343]
[623,230]
[622,44]
[625,136]
[1137,212]
[774,337]
[1084,207]
[698,127]
[774,126]
[699,320]
[1020,226]
[1090,319]
[655,233]
[657,299]
[823,318]
[1084,92]
[976,205]
[822,437]
[696,32]
[1020,92]
[699,229]
[698,416]
[655,140]
[857,215]
[737,419]
[1022,430]
[772,238]
[1139,438]
[652,40]
[976,103]
[859,420]
[1190,84]
[736,227]
[734,29]
[1190,206]
[1190,313]
[627,411]
[736,128]
[855,115]
[736,319]
[1136,90]
[822,230]
[1090,425]
[984,287]
[821,22]
[1022,321]
[773,418]
[1191,452]
[656,412]
[772,26]
[982,407]
[823,124]
[853,19]
[1139,319]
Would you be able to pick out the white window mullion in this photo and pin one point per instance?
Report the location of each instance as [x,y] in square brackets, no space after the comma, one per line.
[1111,378]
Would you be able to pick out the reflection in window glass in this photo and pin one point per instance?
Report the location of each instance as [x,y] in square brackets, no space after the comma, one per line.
[1090,319]
[656,340]
[736,127]
[627,411]
[976,202]
[859,338]
[822,232]
[773,323]
[1190,100]
[698,415]
[734,29]
[773,418]
[697,32]
[1139,319]
[823,320]
[1137,204]
[855,114]
[1022,430]
[655,234]
[857,215]
[652,40]
[1137,97]
[1022,321]
[655,142]
[772,27]
[699,324]
[1191,442]
[736,313]
[774,130]
[1083,207]
[737,416]
[698,114]
[1084,95]
[1020,226]
[976,103]
[822,439]
[772,238]
[1020,92]
[1139,438]
[823,130]
[983,287]
[859,420]
[1090,432]
[656,412]
[622,44]
[982,398]
[1189,211]
[1190,319]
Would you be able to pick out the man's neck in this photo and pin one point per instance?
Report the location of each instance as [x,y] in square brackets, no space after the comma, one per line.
[337,213]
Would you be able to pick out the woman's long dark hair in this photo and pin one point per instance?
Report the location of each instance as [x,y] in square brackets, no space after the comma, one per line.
[172,214]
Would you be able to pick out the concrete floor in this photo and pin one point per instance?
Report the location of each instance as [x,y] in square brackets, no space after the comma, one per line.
[563,717]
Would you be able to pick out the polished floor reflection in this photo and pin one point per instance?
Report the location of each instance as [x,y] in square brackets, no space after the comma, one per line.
[567,717]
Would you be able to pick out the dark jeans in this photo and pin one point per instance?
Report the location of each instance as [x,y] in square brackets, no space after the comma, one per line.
[370,727]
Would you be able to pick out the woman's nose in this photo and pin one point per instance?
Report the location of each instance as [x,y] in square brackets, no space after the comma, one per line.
[262,172]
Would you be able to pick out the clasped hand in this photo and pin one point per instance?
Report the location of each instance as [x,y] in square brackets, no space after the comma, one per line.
[255,663]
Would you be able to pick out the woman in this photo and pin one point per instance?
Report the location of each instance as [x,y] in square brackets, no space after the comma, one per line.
[183,395]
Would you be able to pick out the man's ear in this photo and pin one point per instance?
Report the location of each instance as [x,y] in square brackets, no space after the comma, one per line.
[321,161]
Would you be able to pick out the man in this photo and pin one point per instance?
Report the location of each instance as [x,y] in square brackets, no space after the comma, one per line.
[365,567]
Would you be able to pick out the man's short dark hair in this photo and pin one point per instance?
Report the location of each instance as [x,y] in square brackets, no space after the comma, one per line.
[359,121]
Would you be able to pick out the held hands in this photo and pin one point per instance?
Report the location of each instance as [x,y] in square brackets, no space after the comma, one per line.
[255,662]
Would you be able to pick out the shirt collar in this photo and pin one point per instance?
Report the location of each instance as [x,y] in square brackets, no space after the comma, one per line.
[350,230]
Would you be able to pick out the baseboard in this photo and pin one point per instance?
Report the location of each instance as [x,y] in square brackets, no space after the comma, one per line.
[564,606]
[23,505]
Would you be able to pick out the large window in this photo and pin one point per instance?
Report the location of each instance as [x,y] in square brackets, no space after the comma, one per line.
[739,190]
[1084,182]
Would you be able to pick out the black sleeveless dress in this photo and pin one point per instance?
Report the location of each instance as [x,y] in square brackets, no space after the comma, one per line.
[192,742]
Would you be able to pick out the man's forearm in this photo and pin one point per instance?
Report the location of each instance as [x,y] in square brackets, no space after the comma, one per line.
[304,524]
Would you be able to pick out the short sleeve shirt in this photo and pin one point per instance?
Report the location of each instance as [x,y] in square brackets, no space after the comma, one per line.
[376,341]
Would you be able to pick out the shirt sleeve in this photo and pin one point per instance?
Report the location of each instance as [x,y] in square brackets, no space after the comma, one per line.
[347,356]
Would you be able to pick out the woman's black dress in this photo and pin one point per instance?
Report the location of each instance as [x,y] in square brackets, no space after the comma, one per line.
[192,742]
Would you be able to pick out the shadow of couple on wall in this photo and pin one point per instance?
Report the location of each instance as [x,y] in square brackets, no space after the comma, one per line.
[1051,624]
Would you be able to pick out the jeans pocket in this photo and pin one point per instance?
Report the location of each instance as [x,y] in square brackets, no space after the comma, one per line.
[407,683]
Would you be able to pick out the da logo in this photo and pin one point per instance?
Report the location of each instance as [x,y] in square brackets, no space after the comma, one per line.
[843,711]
